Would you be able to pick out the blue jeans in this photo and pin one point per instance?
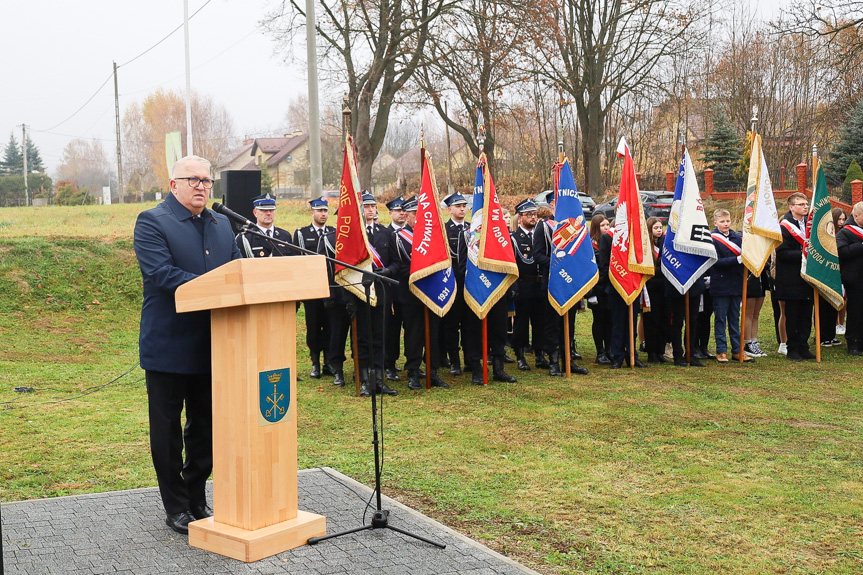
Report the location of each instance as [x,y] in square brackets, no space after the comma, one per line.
[726,310]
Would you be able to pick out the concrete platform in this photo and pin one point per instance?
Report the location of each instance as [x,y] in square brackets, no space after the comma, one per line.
[124,532]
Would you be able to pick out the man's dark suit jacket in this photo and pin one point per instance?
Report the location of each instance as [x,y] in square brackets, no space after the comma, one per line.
[171,251]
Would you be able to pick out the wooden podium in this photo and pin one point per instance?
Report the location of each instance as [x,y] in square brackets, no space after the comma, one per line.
[254,311]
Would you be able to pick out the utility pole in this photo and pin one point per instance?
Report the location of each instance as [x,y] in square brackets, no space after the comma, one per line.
[189,151]
[316,177]
[119,149]
[24,150]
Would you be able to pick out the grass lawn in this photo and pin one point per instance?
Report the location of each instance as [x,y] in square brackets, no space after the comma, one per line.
[726,469]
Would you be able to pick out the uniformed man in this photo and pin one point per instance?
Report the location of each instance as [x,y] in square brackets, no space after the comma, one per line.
[552,336]
[452,333]
[372,368]
[254,246]
[394,324]
[311,237]
[412,308]
[529,295]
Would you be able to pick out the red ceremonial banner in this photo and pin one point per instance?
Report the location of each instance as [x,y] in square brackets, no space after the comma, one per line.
[430,246]
[351,242]
[628,268]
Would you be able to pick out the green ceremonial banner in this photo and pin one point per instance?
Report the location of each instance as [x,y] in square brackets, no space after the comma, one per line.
[173,150]
[821,260]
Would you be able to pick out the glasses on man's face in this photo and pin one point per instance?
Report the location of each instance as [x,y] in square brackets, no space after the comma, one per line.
[799,205]
[195,181]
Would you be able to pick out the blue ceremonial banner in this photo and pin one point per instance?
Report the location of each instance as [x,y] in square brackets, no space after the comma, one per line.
[688,249]
[572,270]
[490,267]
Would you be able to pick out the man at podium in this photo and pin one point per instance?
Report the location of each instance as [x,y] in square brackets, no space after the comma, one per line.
[175,242]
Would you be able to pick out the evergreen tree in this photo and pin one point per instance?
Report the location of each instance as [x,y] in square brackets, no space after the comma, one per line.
[13,159]
[34,159]
[847,149]
[266,180]
[722,153]
[854,173]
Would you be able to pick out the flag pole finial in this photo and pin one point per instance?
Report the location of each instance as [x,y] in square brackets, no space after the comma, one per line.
[754,117]
[480,133]
[682,139]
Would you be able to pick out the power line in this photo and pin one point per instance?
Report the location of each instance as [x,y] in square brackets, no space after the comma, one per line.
[111,75]
[171,33]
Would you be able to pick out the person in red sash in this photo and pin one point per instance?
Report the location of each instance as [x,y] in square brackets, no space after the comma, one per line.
[849,243]
[790,285]
[726,286]
[656,323]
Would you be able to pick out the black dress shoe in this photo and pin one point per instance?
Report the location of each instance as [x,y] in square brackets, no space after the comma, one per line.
[508,359]
[438,382]
[794,356]
[392,374]
[639,364]
[316,371]
[179,522]
[578,370]
[201,511]
[706,354]
[696,363]
[603,359]
[327,370]
[414,380]
[365,389]
[698,355]
[339,378]
[806,354]
[616,364]
[681,362]
[855,351]
[386,390]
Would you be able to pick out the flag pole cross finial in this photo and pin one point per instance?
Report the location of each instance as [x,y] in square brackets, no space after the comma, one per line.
[480,133]
[754,117]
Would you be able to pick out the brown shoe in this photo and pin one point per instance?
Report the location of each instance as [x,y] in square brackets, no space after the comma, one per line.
[746,358]
[722,357]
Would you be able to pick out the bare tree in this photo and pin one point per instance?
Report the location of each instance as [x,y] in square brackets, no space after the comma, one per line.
[84,162]
[471,60]
[374,46]
[599,51]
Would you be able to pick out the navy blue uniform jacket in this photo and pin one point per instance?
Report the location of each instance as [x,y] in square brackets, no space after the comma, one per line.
[171,252]
[726,275]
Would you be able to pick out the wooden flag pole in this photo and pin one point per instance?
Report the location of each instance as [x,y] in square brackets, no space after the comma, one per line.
[817,325]
[356,354]
[631,340]
[485,351]
[428,351]
[740,354]
[688,338]
[566,345]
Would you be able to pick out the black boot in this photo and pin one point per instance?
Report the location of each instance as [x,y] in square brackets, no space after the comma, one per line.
[603,359]
[554,364]
[316,368]
[392,374]
[414,380]
[338,376]
[573,352]
[519,357]
[476,375]
[436,381]
[577,370]
[498,373]
[541,362]
[455,366]
[365,386]
[380,385]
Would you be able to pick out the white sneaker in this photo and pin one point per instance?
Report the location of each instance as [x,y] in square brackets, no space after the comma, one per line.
[783,349]
[756,347]
[840,329]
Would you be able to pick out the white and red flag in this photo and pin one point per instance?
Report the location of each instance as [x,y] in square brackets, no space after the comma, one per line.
[631,263]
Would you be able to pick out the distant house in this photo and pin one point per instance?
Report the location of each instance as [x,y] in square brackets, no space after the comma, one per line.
[285,159]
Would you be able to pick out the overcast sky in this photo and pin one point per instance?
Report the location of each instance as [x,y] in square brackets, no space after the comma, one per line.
[56,54]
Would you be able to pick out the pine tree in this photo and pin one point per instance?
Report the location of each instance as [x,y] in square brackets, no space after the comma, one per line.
[854,173]
[13,159]
[34,159]
[266,180]
[723,154]
[847,149]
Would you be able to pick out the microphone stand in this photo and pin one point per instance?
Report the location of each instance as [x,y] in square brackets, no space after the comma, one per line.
[380,518]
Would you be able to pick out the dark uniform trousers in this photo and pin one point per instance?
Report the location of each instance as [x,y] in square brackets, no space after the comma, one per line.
[495,330]
[336,309]
[656,324]
[381,239]
[794,291]
[166,393]
[453,331]
[530,296]
[675,307]
[317,321]
[393,335]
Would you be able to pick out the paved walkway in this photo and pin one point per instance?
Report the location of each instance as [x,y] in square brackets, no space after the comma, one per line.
[124,532]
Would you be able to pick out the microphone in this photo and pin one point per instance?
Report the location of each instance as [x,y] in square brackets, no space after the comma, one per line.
[231,214]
